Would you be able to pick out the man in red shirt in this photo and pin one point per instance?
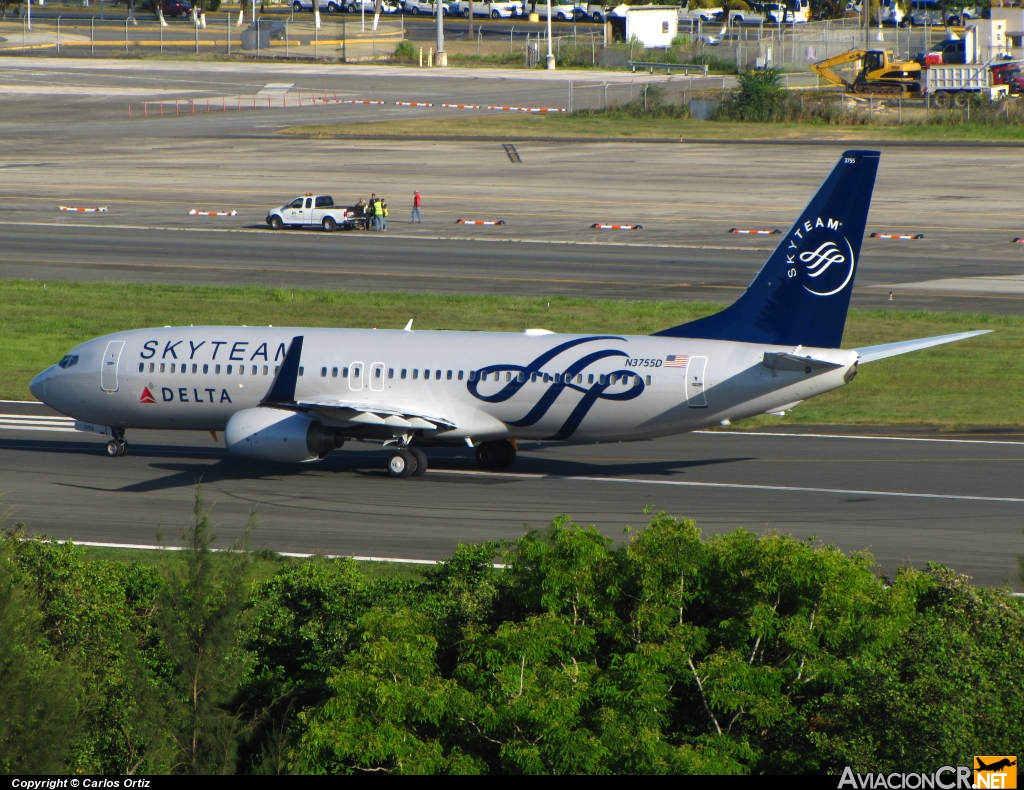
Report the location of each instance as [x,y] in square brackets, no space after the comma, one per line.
[416,200]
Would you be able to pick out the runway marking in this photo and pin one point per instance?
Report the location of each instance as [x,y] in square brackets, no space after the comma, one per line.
[731,486]
[860,438]
[390,236]
[28,422]
[357,558]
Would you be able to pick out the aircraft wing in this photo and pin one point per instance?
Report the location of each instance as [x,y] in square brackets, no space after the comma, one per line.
[281,395]
[871,353]
[372,414]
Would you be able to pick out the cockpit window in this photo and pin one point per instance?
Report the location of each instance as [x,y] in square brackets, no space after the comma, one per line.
[69,361]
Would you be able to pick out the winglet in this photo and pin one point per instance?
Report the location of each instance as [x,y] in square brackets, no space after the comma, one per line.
[283,389]
[408,327]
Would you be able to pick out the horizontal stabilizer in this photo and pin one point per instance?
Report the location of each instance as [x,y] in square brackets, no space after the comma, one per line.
[776,360]
[871,353]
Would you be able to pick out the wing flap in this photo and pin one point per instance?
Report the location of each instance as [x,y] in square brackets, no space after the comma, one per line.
[374,414]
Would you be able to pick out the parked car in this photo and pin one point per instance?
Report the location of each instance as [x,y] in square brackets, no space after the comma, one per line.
[173,8]
[1009,74]
[417,7]
[496,10]
[951,51]
[353,7]
[277,29]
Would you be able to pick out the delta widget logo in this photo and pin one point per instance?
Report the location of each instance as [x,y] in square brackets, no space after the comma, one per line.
[146,396]
[995,772]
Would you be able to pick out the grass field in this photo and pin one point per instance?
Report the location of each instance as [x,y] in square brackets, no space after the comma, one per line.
[972,383]
[621,125]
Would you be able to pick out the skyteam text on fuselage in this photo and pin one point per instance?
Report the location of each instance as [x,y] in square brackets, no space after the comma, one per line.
[288,394]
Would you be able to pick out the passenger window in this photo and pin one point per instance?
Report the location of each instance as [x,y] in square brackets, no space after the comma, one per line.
[508,376]
[449,375]
[302,370]
[558,378]
[206,368]
[172,367]
[590,379]
[603,380]
[195,368]
[142,367]
[460,375]
[403,372]
[472,375]
[579,378]
[217,370]
[344,373]
[521,377]
[415,373]
[254,370]
[426,373]
[483,377]
[437,375]
[277,369]
[323,372]
[648,381]
[151,367]
[266,369]
[377,372]
[533,378]
[357,373]
[231,367]
[334,373]
[391,373]
[241,370]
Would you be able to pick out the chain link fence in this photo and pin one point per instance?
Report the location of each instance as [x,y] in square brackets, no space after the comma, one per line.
[347,38]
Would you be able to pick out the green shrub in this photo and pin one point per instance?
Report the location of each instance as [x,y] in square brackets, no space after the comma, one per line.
[406,50]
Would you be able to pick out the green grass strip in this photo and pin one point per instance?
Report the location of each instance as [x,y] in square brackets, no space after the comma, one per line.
[978,382]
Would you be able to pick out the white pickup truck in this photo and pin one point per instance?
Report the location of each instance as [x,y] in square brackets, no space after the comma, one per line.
[308,211]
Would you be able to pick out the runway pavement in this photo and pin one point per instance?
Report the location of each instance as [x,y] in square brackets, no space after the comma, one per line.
[687,198]
[909,499]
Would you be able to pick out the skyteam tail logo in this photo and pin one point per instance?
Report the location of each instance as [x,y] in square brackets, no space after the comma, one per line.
[823,259]
[569,379]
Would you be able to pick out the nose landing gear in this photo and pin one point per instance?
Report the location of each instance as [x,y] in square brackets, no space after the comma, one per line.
[117,446]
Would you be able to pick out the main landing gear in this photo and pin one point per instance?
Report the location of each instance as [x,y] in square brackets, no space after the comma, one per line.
[407,462]
[496,455]
[117,446]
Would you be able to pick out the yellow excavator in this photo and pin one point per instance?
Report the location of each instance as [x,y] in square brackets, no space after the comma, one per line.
[877,72]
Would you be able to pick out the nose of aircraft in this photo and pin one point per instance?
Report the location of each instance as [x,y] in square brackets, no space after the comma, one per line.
[38,386]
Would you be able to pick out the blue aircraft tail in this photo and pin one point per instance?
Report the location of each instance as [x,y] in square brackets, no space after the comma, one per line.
[801,295]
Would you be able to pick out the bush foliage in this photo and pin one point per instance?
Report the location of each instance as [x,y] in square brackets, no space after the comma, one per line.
[668,653]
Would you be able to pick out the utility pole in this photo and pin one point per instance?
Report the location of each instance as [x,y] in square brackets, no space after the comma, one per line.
[550,61]
[440,57]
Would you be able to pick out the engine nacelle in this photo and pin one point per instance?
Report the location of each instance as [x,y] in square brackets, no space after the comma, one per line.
[278,435]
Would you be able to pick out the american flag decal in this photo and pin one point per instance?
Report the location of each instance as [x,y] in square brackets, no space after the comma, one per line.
[676,361]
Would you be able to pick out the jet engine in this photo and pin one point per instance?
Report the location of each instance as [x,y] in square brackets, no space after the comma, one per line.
[278,435]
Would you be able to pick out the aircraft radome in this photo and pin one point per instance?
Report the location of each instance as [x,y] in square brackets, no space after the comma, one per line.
[286,394]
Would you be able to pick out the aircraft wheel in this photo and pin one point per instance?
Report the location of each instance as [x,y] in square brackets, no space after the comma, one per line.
[401,464]
[113,449]
[510,453]
[491,455]
[124,448]
[421,461]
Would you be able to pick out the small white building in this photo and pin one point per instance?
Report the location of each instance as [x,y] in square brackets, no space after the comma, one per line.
[653,25]
[1014,18]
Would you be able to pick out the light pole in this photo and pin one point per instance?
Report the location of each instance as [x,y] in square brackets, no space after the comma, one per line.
[550,60]
[440,57]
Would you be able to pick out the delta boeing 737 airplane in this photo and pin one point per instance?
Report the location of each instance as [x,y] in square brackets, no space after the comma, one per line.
[295,395]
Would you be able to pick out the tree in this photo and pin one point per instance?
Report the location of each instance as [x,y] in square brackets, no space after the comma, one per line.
[200,606]
[42,712]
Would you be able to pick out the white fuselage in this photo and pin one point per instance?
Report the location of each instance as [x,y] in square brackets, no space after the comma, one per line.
[581,388]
